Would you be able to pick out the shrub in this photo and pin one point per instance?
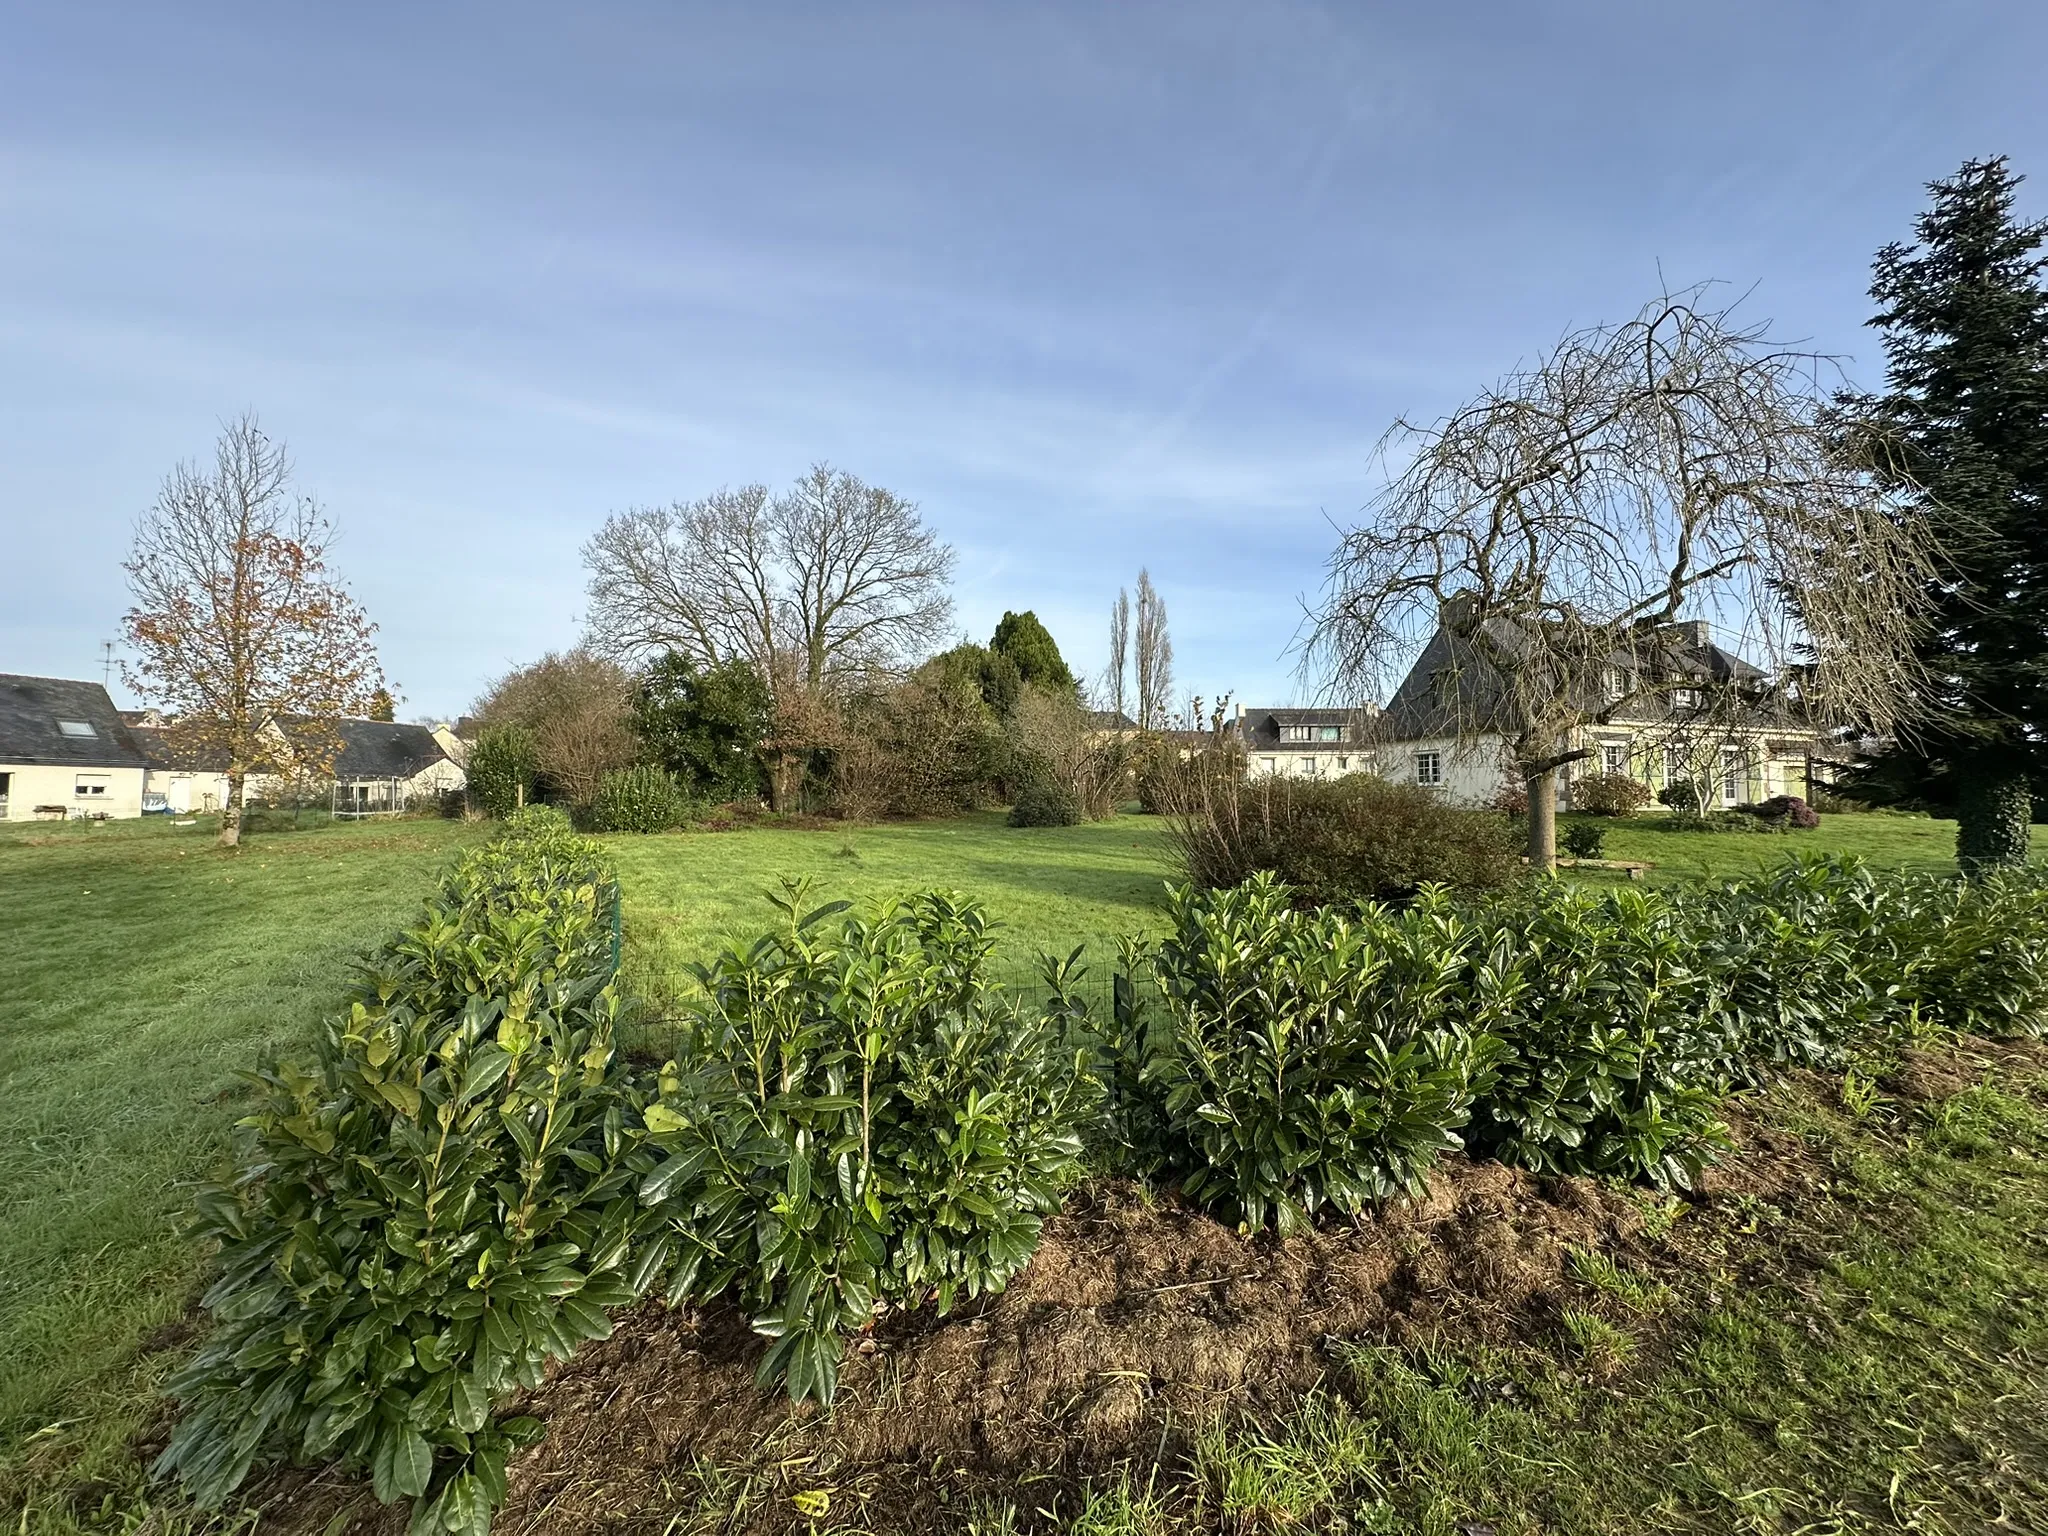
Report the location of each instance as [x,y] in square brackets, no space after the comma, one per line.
[862,1116]
[1511,799]
[1609,794]
[642,799]
[1585,839]
[435,1205]
[540,826]
[1688,797]
[1783,812]
[1803,963]
[1611,1051]
[501,770]
[1040,800]
[1360,837]
[1304,1061]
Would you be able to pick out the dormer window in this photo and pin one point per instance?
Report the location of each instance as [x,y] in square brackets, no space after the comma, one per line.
[1295,733]
[78,728]
[1685,698]
[1329,733]
[1614,684]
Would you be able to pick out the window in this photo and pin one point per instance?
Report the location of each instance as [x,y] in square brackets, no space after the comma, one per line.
[1429,767]
[1268,764]
[1329,733]
[1614,757]
[1294,733]
[1685,698]
[1343,766]
[91,786]
[76,728]
[1614,683]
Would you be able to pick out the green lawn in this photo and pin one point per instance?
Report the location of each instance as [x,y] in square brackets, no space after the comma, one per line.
[146,967]
[143,968]
[1051,887]
[1900,842]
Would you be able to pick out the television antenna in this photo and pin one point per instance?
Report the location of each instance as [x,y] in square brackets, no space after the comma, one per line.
[107,663]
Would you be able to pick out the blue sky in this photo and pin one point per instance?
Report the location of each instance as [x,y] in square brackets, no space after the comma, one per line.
[1099,286]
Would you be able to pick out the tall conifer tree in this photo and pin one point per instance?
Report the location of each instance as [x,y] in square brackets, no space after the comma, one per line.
[1964,316]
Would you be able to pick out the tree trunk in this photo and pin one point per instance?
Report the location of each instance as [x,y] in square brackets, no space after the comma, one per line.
[231,813]
[1992,816]
[1542,788]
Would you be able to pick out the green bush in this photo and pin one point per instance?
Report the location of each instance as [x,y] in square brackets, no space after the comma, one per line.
[641,799]
[534,827]
[502,768]
[862,1115]
[1613,1062]
[1361,837]
[1688,797]
[1311,1061]
[1609,794]
[434,1206]
[1040,800]
[1585,839]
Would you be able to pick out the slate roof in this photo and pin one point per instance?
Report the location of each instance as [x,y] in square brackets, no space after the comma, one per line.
[30,708]
[1098,720]
[163,751]
[1261,728]
[385,749]
[1421,709]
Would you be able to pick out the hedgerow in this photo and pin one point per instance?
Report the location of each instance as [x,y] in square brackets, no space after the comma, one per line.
[465,1180]
[1294,1062]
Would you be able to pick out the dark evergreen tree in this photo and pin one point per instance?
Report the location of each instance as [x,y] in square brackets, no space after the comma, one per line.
[1027,642]
[989,672]
[705,726]
[1964,316]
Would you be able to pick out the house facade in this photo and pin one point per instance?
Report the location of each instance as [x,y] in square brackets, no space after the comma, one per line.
[385,766]
[1306,743]
[65,752]
[1698,712]
[178,782]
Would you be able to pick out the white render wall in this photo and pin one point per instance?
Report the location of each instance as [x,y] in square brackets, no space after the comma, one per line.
[187,792]
[31,785]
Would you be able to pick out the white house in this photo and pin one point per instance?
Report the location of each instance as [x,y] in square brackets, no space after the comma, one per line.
[385,766]
[1307,743]
[178,782]
[1681,707]
[65,752]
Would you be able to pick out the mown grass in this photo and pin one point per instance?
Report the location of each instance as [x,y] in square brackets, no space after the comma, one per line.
[1888,840]
[686,894]
[143,969]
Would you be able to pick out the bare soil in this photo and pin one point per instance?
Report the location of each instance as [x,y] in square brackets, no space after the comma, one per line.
[1138,1321]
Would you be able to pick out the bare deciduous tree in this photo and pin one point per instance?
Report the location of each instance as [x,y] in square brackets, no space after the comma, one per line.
[577,707]
[827,584]
[1556,531]
[239,631]
[1154,657]
[1119,652]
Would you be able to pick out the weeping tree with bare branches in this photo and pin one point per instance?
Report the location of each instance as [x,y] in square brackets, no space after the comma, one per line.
[821,589]
[1554,551]
[239,629]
